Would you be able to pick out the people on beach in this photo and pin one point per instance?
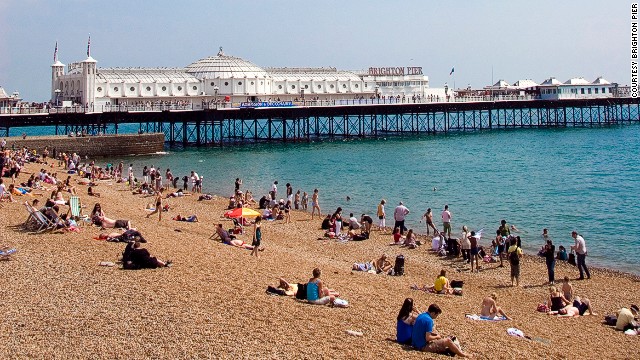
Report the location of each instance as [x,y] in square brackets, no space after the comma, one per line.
[424,338]
[405,320]
[550,259]
[490,307]
[158,208]
[367,223]
[474,251]
[379,265]
[428,216]
[315,204]
[567,288]
[465,244]
[446,220]
[305,200]
[399,215]
[580,249]
[257,235]
[556,299]
[381,215]
[514,254]
[317,292]
[442,285]
[136,257]
[100,219]
[296,200]
[626,318]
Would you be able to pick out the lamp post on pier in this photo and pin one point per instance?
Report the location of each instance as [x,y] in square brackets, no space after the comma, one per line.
[57,91]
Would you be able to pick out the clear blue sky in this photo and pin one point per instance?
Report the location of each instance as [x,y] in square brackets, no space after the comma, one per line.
[519,39]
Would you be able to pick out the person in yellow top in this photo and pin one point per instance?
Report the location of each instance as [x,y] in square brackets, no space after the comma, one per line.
[441,285]
[381,215]
[514,254]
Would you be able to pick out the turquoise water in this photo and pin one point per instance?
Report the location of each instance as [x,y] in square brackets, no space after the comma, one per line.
[561,179]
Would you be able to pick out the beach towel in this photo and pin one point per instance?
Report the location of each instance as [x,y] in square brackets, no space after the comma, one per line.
[484,318]
[515,332]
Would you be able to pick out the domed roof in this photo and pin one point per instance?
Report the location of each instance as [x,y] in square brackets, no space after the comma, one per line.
[223,66]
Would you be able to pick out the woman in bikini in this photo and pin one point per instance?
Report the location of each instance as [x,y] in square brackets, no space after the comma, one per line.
[158,208]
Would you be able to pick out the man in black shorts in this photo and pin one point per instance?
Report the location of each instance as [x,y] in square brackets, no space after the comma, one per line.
[366,221]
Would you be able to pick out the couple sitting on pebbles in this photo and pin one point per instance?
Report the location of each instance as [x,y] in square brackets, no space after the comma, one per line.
[314,291]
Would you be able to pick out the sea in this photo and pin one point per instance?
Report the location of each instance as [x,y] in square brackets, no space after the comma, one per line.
[583,179]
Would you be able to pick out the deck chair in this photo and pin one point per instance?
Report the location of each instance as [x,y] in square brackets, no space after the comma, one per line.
[43,223]
[75,207]
[5,253]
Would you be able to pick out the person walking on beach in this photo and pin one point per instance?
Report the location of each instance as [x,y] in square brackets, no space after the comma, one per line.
[237,185]
[315,204]
[580,247]
[428,216]
[158,208]
[446,221]
[399,215]
[257,236]
[289,192]
[381,215]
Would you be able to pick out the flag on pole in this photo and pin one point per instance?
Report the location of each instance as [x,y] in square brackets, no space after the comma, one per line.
[89,47]
[55,53]
[452,70]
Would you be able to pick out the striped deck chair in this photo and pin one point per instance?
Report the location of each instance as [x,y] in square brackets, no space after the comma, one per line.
[75,207]
[42,222]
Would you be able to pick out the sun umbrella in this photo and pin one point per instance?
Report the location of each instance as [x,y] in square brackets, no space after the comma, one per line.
[241,213]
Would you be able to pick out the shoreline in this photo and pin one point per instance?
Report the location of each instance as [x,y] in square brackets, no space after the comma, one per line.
[211,302]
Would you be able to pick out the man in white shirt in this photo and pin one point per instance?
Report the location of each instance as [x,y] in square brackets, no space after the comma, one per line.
[399,214]
[195,181]
[446,221]
[353,222]
[580,247]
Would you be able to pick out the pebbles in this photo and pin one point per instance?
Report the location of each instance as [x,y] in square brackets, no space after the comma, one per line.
[58,303]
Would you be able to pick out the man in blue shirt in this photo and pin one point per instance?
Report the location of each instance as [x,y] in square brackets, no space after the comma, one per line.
[425,339]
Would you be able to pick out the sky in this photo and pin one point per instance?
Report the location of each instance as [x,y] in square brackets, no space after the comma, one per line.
[483,40]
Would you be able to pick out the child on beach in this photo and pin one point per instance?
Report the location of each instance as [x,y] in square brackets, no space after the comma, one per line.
[257,236]
[305,200]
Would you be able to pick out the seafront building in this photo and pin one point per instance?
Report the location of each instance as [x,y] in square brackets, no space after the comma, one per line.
[225,78]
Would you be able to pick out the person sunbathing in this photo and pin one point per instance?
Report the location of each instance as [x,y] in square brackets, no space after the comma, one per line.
[227,239]
[192,218]
[126,236]
[490,307]
[178,193]
[98,218]
[579,307]
[556,300]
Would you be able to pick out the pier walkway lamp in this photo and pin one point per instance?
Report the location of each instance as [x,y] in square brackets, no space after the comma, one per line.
[215,92]
[57,91]
[377,89]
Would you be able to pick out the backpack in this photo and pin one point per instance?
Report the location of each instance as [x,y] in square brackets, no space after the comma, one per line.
[514,259]
[398,266]
[572,259]
[611,320]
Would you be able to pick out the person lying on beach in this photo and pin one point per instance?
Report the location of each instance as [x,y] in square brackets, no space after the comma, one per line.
[292,289]
[98,218]
[578,308]
[556,300]
[126,236]
[380,265]
[90,192]
[178,193]
[192,218]
[135,257]
[227,239]
[490,307]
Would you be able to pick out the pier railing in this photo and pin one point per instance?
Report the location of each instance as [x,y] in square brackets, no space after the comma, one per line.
[196,106]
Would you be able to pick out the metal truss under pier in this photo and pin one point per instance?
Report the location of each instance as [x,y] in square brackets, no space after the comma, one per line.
[301,124]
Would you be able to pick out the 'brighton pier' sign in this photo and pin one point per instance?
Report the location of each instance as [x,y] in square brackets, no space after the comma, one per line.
[395,71]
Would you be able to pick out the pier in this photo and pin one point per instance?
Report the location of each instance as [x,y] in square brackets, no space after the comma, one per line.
[309,122]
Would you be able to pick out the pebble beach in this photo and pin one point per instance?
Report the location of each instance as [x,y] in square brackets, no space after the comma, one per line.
[57,302]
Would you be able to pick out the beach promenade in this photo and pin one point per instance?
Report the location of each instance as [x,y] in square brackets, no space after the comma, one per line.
[57,302]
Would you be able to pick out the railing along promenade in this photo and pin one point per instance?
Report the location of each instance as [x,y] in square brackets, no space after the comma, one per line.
[235,123]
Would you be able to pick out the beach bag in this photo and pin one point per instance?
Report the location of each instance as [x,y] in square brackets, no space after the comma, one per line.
[275,291]
[514,259]
[457,283]
[543,308]
[302,292]
[572,259]
[398,266]
[457,291]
